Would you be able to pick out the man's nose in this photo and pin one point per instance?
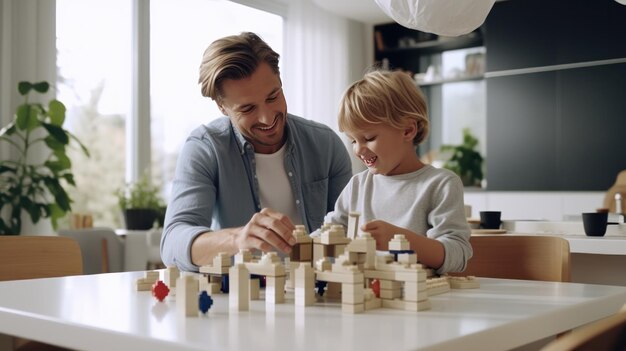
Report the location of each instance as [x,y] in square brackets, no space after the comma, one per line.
[266,115]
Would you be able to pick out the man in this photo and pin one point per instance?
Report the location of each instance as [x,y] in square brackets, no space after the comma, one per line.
[244,181]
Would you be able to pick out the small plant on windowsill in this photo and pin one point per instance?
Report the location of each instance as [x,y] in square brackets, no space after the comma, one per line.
[26,185]
[465,160]
[141,204]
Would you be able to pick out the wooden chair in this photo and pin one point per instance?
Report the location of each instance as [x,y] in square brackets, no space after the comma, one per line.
[606,334]
[29,257]
[519,257]
[618,187]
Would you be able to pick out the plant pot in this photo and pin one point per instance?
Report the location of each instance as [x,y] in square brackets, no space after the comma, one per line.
[139,218]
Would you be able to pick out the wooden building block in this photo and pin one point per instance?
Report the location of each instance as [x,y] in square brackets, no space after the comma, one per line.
[187,295]
[305,285]
[171,274]
[353,225]
[390,284]
[407,258]
[407,305]
[399,243]
[239,290]
[275,290]
[349,308]
[255,289]
[411,292]
[352,293]
[243,256]
[469,282]
[390,294]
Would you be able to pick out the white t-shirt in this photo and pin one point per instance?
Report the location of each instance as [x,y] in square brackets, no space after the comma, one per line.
[274,188]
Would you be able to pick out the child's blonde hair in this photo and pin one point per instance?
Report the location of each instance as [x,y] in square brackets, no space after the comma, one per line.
[384,97]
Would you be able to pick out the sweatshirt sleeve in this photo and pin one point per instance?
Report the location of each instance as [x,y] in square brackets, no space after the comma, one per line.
[449,225]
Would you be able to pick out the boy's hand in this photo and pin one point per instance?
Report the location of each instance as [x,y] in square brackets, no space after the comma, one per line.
[382,232]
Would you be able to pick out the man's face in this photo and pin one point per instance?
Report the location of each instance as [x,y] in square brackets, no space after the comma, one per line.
[256,106]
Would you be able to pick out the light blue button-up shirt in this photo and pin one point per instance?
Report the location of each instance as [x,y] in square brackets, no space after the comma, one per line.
[215,183]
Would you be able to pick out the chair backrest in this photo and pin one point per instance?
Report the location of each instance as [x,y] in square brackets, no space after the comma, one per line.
[618,187]
[103,250]
[520,257]
[28,257]
[606,334]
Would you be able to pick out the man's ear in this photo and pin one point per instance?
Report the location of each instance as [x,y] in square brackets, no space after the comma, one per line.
[222,109]
[410,131]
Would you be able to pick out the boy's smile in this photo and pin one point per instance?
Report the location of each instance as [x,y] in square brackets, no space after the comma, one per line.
[385,150]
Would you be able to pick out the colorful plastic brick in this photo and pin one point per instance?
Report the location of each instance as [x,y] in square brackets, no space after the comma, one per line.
[160,290]
[204,302]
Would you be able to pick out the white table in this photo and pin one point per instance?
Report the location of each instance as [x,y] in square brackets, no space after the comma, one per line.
[104,312]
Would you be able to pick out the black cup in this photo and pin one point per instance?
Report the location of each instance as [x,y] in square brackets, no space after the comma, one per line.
[595,223]
[490,219]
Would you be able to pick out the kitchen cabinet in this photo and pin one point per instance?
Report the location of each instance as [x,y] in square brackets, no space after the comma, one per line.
[555,95]
[536,33]
[407,49]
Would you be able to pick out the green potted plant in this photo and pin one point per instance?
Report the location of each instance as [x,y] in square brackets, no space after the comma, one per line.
[465,160]
[141,204]
[27,185]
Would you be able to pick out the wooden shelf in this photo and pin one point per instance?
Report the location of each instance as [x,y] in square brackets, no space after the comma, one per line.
[441,44]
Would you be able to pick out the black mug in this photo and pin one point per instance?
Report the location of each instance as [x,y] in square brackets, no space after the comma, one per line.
[490,219]
[595,223]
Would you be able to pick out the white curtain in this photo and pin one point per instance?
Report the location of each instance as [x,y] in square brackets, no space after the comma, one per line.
[323,54]
[27,51]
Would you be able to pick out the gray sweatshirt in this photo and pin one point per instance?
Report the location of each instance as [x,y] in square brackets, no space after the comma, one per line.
[428,202]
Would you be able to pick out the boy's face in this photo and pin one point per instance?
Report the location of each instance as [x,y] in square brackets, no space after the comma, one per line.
[385,150]
[256,106]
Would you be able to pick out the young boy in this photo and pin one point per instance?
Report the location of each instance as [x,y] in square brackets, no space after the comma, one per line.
[385,117]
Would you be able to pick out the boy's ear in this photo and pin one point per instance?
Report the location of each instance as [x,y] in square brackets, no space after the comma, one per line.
[410,131]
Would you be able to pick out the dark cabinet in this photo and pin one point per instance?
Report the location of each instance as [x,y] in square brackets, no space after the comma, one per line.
[534,33]
[556,98]
[521,130]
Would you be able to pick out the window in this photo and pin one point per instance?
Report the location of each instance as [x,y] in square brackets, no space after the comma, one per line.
[93,50]
[94,81]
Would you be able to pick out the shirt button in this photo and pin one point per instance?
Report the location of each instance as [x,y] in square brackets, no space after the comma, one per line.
[297,202]
[290,174]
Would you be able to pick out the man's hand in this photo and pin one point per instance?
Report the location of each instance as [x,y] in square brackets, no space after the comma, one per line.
[382,232]
[265,230]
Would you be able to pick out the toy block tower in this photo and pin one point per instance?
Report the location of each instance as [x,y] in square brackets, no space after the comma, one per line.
[217,274]
[331,242]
